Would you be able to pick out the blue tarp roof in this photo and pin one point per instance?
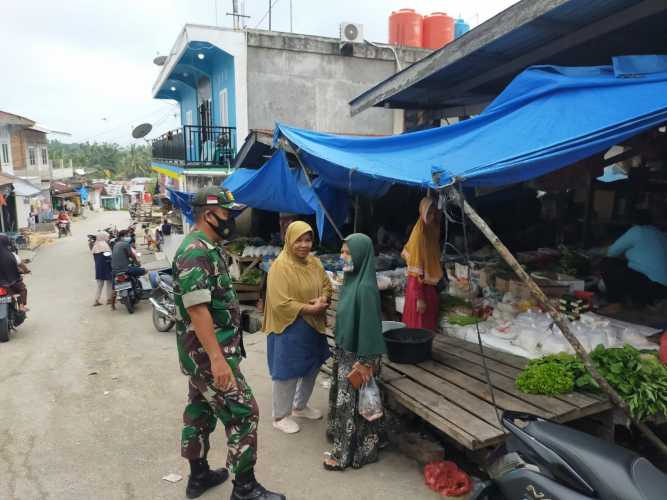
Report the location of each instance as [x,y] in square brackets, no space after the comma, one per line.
[277,187]
[547,118]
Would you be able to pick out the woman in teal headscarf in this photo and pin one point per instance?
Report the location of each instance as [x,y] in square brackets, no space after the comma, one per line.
[360,345]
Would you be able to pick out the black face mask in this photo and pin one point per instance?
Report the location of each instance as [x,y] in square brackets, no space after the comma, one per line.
[225,228]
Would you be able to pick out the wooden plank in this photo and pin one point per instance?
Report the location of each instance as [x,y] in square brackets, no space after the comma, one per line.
[481,389]
[462,426]
[455,395]
[438,404]
[502,357]
[573,398]
[505,383]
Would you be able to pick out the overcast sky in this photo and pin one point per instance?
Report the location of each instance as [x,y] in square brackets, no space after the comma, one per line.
[84,66]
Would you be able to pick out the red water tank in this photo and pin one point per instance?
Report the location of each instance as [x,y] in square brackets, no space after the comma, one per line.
[438,30]
[405,28]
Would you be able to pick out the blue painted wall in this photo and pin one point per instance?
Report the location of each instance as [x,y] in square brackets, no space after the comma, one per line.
[222,77]
[188,100]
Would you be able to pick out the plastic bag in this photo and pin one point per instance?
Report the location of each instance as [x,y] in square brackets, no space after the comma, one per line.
[370,401]
[447,479]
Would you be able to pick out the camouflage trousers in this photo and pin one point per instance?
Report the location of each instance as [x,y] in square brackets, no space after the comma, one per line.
[236,409]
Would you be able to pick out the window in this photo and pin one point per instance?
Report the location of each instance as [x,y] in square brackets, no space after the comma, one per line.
[45,157]
[4,156]
[32,157]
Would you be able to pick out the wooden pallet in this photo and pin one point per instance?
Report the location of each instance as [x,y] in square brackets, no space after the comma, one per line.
[451,392]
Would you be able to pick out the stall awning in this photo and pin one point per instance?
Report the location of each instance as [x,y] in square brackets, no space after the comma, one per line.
[24,188]
[72,194]
[279,188]
[547,118]
[183,202]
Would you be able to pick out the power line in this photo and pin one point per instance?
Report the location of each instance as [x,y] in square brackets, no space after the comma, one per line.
[124,124]
[267,13]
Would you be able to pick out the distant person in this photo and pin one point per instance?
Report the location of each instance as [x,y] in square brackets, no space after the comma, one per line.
[63,218]
[636,264]
[101,255]
[422,255]
[359,346]
[298,295]
[11,269]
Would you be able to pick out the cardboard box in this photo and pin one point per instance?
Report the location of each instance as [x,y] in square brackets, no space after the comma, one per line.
[519,290]
[487,277]
[502,284]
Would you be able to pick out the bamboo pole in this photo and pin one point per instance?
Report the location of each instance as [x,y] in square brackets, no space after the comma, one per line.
[556,316]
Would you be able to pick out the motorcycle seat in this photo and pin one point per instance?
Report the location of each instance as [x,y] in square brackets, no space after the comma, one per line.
[167,279]
[612,471]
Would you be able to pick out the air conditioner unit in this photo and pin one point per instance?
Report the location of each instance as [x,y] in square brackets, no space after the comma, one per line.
[351,33]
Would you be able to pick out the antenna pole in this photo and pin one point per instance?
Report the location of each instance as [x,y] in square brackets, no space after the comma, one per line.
[291,18]
[269,15]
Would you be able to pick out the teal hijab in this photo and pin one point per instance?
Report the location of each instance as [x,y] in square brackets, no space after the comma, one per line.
[359,316]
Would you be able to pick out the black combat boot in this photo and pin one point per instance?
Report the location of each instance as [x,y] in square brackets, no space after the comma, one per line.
[246,487]
[202,478]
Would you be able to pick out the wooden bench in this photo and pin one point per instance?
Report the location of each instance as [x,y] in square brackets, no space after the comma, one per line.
[451,392]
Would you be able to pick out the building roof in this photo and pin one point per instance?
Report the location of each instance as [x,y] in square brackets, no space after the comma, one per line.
[183,68]
[12,119]
[465,75]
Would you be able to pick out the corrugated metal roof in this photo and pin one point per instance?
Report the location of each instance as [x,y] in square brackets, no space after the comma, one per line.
[474,68]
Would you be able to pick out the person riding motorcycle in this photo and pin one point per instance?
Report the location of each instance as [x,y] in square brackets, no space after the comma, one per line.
[124,259]
[11,269]
[63,218]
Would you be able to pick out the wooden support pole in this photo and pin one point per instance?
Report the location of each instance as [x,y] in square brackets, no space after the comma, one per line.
[310,184]
[556,316]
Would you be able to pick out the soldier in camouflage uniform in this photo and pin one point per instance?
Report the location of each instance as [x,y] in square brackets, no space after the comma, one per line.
[210,351]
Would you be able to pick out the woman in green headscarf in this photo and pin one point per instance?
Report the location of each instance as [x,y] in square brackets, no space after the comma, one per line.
[360,345]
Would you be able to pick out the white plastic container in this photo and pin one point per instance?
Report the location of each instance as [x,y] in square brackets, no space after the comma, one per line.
[392,325]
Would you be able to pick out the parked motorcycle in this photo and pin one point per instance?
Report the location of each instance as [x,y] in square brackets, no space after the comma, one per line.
[112,231]
[11,315]
[164,307]
[130,289]
[543,460]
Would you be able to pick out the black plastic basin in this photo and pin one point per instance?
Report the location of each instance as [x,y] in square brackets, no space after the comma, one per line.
[409,345]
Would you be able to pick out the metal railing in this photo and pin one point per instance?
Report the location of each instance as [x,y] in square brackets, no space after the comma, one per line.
[197,146]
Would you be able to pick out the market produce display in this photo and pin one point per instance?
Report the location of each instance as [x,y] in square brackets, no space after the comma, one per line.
[639,378]
[252,277]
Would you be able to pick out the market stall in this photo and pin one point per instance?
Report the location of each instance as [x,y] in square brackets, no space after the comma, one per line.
[506,305]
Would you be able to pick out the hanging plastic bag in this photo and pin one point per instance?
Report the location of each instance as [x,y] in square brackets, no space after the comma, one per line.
[370,401]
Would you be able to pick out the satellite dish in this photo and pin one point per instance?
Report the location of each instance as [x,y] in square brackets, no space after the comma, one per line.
[142,130]
[160,60]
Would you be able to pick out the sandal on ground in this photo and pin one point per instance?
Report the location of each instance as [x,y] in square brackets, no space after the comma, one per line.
[331,463]
[97,303]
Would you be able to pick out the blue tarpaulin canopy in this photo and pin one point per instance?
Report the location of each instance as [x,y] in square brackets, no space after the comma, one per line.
[547,118]
[182,201]
[277,187]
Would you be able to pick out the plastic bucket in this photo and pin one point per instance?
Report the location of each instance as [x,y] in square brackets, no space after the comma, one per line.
[392,325]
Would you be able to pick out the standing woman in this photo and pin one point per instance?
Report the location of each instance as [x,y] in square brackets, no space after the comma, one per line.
[359,345]
[422,255]
[298,294]
[102,267]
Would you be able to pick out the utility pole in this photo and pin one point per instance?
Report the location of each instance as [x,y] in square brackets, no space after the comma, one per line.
[237,17]
[269,15]
[291,18]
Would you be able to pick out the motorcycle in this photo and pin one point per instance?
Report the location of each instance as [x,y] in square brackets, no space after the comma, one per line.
[113,236]
[164,307]
[543,460]
[11,315]
[130,289]
[63,229]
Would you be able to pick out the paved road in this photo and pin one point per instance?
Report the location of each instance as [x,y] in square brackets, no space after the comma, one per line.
[91,403]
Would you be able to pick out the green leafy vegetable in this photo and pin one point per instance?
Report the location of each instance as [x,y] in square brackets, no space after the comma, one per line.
[252,277]
[547,378]
[462,319]
[640,379]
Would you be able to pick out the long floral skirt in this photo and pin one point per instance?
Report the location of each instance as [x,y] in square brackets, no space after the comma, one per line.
[356,441]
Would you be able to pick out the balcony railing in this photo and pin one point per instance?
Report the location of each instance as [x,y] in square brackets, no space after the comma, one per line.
[197,146]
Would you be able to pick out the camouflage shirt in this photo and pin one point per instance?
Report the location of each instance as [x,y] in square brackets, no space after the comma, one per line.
[201,277]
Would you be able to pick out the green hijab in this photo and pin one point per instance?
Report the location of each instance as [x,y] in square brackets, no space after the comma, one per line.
[359,316]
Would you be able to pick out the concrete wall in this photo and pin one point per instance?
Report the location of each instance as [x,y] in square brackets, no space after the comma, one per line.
[312,90]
